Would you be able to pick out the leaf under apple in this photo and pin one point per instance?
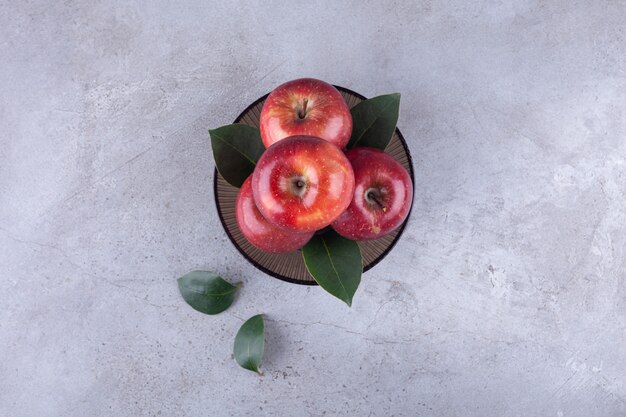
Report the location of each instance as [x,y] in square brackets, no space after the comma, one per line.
[374,121]
[236,150]
[335,263]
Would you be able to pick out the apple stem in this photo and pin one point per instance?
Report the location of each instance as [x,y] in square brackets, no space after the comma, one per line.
[374,197]
[302,111]
[298,186]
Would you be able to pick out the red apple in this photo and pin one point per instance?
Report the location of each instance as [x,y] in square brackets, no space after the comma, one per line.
[302,183]
[382,196]
[306,107]
[261,233]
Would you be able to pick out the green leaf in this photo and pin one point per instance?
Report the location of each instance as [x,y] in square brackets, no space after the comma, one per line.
[374,121]
[250,344]
[206,291]
[335,263]
[236,149]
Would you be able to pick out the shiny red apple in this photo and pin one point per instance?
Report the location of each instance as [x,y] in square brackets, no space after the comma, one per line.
[302,183]
[382,196]
[306,107]
[260,232]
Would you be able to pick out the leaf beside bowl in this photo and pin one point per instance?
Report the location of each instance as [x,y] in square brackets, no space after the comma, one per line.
[250,344]
[207,292]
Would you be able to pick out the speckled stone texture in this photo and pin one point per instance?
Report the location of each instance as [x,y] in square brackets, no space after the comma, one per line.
[506,295]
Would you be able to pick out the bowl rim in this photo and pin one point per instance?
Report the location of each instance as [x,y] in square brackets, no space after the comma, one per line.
[313,283]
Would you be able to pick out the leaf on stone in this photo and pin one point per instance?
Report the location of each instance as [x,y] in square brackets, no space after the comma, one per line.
[206,291]
[335,263]
[236,149]
[250,344]
[374,121]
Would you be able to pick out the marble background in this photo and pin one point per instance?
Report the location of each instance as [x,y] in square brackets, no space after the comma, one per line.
[505,296]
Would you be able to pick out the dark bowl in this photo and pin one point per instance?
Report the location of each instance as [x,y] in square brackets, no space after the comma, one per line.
[290,266]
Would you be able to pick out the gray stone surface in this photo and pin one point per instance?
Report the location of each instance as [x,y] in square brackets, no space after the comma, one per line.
[505,297]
